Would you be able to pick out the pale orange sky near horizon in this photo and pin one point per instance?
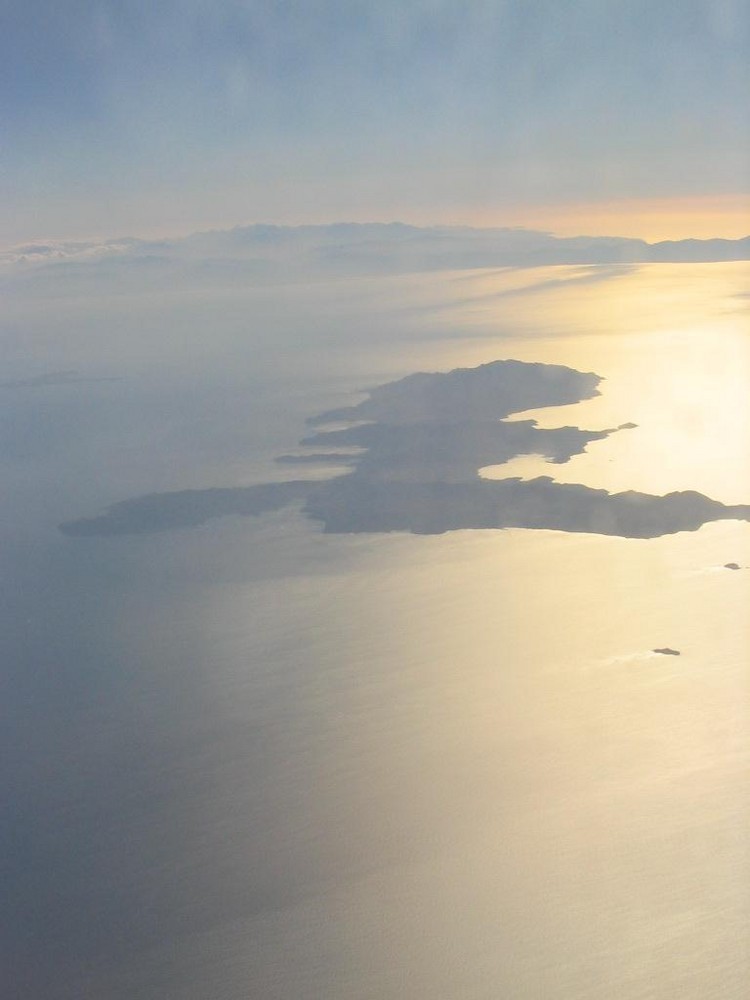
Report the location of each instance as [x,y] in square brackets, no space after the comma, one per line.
[650,219]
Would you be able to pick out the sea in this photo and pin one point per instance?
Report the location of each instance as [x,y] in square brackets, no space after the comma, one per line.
[252,758]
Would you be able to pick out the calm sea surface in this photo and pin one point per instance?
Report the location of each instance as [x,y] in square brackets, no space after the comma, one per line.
[253,760]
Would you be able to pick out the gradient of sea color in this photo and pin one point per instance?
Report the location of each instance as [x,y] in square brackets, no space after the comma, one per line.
[252,759]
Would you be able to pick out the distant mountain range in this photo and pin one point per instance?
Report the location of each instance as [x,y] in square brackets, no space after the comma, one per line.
[257,253]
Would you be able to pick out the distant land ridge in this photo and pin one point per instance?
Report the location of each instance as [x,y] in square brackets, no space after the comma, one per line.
[262,253]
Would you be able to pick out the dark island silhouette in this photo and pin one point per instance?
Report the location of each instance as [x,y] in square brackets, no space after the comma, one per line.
[423,440]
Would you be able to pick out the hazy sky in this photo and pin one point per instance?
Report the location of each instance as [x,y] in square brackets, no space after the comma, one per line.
[130,116]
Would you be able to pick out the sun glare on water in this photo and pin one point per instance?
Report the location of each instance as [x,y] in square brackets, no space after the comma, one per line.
[673,347]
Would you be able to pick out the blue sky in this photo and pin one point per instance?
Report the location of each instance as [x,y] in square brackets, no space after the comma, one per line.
[128,116]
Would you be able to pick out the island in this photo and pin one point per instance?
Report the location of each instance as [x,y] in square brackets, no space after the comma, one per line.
[421,442]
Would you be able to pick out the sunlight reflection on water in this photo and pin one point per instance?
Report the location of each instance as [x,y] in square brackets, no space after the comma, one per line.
[259,760]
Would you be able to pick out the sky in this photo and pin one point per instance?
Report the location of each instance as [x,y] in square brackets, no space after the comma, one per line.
[128,117]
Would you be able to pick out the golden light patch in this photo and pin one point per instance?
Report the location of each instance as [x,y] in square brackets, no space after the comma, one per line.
[651,219]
